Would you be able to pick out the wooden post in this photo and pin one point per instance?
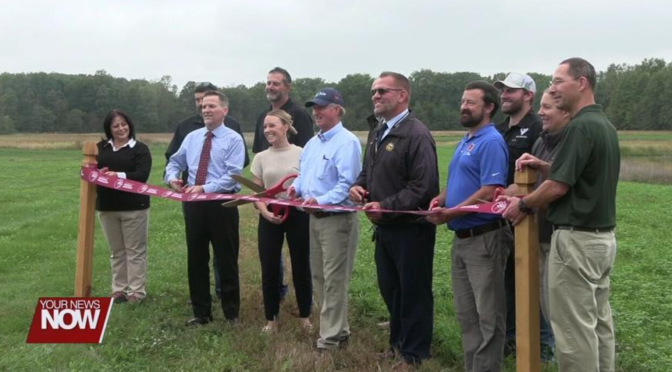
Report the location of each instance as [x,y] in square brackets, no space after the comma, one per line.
[87,200]
[527,283]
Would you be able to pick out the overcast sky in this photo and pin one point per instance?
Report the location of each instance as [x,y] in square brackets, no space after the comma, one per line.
[237,42]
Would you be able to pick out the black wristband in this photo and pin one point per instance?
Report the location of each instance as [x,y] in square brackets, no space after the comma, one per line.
[524,207]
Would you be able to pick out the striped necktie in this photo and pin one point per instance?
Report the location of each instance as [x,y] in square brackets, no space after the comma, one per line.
[203,162]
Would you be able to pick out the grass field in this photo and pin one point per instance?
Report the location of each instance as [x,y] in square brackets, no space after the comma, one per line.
[38,236]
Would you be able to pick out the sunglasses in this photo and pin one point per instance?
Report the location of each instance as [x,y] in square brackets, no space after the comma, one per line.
[382,91]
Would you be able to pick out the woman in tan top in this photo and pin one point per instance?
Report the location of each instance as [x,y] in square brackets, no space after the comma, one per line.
[269,167]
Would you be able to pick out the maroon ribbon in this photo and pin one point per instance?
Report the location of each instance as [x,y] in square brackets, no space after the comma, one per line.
[93,175]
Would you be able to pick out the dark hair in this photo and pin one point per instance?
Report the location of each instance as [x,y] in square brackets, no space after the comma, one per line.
[285,75]
[107,124]
[579,67]
[204,87]
[399,79]
[223,99]
[490,94]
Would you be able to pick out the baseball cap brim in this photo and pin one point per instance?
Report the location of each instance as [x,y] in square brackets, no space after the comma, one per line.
[317,101]
[499,84]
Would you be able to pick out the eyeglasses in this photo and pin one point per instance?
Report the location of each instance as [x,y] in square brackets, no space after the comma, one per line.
[560,81]
[382,91]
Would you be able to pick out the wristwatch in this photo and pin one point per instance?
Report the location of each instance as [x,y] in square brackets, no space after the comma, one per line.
[524,207]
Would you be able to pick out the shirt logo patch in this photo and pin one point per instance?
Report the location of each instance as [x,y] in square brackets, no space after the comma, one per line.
[523,130]
[389,147]
[470,147]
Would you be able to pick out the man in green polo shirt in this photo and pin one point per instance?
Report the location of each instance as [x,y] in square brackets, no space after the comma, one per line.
[581,196]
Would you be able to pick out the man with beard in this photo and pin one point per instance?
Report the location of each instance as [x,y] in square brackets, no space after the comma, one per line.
[400,173]
[520,129]
[278,86]
[522,125]
[189,125]
[482,241]
[580,193]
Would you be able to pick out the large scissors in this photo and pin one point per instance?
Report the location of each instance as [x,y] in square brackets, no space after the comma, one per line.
[280,187]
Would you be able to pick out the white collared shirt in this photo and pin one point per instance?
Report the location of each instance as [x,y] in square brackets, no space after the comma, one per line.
[131,143]
[392,122]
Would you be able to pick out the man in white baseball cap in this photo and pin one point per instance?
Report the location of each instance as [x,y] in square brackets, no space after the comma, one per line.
[520,129]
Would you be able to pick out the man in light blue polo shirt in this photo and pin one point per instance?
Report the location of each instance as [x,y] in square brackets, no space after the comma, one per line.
[482,241]
[329,165]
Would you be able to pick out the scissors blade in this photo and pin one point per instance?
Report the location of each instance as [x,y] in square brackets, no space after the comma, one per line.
[248,183]
[483,201]
[237,202]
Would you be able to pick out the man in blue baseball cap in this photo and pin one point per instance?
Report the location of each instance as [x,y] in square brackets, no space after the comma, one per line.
[329,165]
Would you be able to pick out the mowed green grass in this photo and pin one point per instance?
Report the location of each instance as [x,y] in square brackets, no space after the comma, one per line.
[38,234]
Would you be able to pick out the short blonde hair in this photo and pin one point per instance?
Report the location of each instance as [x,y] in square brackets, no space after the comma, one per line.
[284,118]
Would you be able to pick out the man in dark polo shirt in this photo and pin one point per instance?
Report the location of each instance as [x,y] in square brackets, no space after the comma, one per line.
[581,196]
[189,125]
[522,125]
[194,122]
[278,86]
[520,130]
[482,241]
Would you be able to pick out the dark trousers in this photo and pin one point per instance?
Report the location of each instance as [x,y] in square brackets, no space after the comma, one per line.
[404,262]
[218,290]
[270,238]
[208,222]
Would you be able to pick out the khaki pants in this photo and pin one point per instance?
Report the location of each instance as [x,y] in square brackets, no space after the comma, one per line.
[578,279]
[478,293]
[126,233]
[333,244]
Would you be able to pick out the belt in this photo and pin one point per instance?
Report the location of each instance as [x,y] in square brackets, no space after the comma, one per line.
[480,230]
[320,214]
[583,229]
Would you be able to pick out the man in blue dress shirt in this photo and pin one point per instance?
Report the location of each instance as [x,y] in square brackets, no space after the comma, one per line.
[212,155]
[329,165]
[482,241]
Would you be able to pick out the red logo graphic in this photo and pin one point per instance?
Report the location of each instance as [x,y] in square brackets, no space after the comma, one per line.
[498,207]
[470,147]
[68,320]
[93,176]
[143,188]
[118,183]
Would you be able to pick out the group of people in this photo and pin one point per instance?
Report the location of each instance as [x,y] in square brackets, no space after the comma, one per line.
[571,143]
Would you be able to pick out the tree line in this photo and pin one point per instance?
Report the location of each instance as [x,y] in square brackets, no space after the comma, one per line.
[635,97]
